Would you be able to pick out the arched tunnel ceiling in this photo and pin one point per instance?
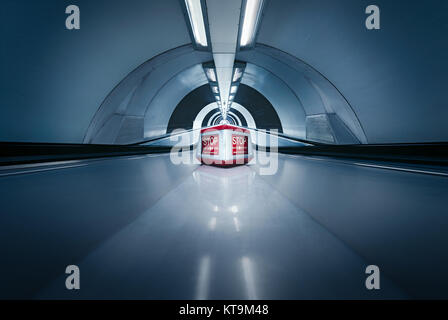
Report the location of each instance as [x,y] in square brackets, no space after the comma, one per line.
[205,117]
[185,112]
[300,93]
[275,91]
[140,106]
[313,58]
[259,108]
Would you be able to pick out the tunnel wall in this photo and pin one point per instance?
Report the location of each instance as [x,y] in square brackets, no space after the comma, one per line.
[393,78]
[53,80]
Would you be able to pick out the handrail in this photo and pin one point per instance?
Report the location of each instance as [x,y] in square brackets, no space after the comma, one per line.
[281,135]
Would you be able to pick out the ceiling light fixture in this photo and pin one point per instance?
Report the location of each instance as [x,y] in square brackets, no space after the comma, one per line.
[252,13]
[237,74]
[194,9]
[211,75]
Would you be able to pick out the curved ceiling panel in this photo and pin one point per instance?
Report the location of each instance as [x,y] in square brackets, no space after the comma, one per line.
[253,106]
[244,114]
[140,106]
[393,78]
[284,101]
[315,94]
[217,119]
[232,118]
[160,109]
[182,117]
[204,116]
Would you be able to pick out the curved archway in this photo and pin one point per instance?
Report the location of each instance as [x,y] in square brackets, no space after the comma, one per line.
[140,106]
[195,107]
[323,106]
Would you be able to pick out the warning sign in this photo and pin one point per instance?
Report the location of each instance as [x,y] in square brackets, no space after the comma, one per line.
[239,144]
[210,144]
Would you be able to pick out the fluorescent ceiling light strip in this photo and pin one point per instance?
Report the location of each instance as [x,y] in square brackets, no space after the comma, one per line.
[194,10]
[211,75]
[215,89]
[250,21]
[233,89]
[237,74]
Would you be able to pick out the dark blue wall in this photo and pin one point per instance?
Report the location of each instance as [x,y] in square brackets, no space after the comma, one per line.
[394,78]
[53,80]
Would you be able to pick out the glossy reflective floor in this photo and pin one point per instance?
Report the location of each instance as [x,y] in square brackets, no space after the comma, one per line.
[140,227]
[223,234]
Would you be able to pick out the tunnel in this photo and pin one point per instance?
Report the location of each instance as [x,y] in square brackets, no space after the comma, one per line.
[104,110]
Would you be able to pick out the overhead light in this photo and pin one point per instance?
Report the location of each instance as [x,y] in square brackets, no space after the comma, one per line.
[211,75]
[233,89]
[194,10]
[250,21]
[215,89]
[218,98]
[231,97]
[237,74]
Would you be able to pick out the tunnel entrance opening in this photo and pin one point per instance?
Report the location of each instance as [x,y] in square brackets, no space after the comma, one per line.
[250,109]
[231,119]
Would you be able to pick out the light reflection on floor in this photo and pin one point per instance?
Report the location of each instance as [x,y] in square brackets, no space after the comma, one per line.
[221,234]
